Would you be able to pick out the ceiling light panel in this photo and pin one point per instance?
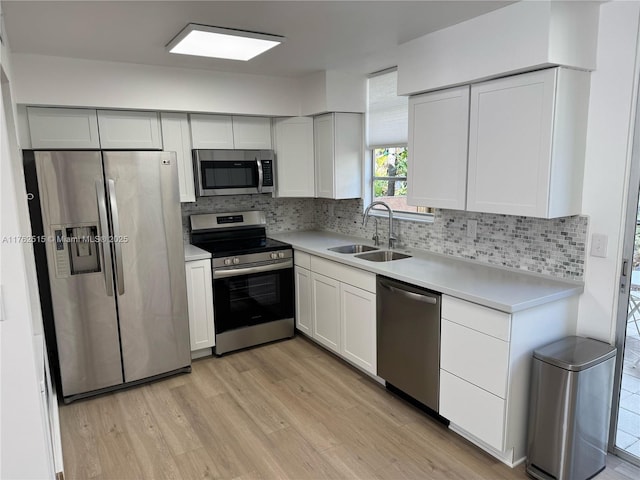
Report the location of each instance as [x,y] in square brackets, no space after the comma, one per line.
[216,42]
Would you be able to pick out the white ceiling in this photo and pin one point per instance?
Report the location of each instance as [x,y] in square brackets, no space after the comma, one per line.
[357,36]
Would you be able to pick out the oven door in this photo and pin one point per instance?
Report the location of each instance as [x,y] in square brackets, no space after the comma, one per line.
[247,296]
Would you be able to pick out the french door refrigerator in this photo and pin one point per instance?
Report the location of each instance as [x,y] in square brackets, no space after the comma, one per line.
[113,236]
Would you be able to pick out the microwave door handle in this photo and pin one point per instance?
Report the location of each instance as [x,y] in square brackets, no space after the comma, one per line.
[260,174]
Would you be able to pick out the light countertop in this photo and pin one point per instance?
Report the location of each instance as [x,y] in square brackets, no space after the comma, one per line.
[495,287]
[194,253]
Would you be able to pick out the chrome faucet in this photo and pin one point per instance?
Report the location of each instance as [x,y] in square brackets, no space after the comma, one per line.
[392,238]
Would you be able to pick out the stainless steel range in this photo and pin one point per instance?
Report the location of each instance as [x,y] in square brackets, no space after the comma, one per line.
[253,296]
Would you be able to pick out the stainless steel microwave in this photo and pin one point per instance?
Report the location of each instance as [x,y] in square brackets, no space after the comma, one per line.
[233,172]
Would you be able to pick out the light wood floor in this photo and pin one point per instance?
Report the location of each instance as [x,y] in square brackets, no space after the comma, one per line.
[285,410]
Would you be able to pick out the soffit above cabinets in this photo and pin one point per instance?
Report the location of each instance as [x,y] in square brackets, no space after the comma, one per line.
[321,35]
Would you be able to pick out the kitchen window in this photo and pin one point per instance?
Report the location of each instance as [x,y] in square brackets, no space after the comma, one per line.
[387,131]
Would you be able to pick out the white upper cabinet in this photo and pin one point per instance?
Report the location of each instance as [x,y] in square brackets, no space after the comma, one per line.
[252,133]
[293,139]
[437,150]
[176,137]
[527,142]
[69,128]
[211,131]
[121,129]
[230,132]
[338,155]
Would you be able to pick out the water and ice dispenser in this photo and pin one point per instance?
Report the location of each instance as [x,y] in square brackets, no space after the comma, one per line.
[77,249]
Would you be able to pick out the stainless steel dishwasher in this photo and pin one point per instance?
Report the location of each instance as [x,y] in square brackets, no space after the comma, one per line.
[408,319]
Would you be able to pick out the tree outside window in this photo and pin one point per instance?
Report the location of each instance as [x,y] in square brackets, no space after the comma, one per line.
[390,178]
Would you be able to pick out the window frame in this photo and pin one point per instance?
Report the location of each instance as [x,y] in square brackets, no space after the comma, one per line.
[419,217]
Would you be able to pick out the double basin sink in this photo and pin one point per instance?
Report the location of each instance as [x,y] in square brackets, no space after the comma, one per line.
[372,254]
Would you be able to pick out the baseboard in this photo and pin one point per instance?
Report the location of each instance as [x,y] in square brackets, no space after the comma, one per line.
[504,457]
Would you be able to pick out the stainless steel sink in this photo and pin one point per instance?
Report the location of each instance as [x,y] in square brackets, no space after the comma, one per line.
[382,256]
[352,249]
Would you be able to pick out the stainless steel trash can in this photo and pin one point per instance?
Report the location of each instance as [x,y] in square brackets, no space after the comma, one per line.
[569,411]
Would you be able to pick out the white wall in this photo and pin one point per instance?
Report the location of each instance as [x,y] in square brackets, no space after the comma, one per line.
[24,451]
[607,158]
[44,80]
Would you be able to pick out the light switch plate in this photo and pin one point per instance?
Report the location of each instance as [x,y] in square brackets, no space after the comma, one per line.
[599,245]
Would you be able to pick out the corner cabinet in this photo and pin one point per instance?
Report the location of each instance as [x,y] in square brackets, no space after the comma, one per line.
[336,307]
[230,132]
[176,137]
[485,363]
[293,142]
[200,303]
[437,149]
[338,147]
[527,138]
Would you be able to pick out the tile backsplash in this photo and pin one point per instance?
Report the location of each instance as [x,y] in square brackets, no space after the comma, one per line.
[553,247]
[283,214]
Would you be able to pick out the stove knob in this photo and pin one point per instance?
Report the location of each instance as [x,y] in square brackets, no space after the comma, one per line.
[227,261]
[281,255]
[236,261]
[274,256]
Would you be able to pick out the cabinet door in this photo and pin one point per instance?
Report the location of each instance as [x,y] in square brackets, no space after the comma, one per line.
[358,314]
[252,133]
[347,162]
[324,155]
[176,137]
[438,140]
[69,128]
[128,130]
[510,130]
[304,314]
[200,301]
[294,157]
[325,294]
[473,409]
[211,131]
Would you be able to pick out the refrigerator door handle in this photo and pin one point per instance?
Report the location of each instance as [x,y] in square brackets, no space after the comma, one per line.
[117,239]
[104,237]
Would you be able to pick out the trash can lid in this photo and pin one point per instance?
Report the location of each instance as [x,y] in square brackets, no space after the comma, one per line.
[575,353]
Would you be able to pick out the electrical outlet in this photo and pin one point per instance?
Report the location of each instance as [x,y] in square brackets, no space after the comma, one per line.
[599,245]
[472,229]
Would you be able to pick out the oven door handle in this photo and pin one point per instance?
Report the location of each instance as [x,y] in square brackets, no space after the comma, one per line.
[236,272]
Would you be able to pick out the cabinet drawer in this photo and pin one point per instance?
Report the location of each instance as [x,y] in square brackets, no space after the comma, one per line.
[483,319]
[478,358]
[352,276]
[475,410]
[302,259]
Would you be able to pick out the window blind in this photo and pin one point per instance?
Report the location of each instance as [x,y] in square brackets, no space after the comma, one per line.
[387,113]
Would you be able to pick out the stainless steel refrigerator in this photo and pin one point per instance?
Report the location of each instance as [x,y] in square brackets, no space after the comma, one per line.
[115,261]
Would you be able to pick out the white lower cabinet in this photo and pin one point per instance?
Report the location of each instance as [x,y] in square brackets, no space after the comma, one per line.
[304,314]
[325,300]
[358,314]
[336,306]
[200,302]
[485,363]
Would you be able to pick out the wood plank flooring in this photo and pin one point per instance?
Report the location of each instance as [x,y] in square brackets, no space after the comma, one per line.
[284,410]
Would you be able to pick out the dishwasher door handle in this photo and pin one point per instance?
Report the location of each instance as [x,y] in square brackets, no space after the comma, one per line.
[414,296]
